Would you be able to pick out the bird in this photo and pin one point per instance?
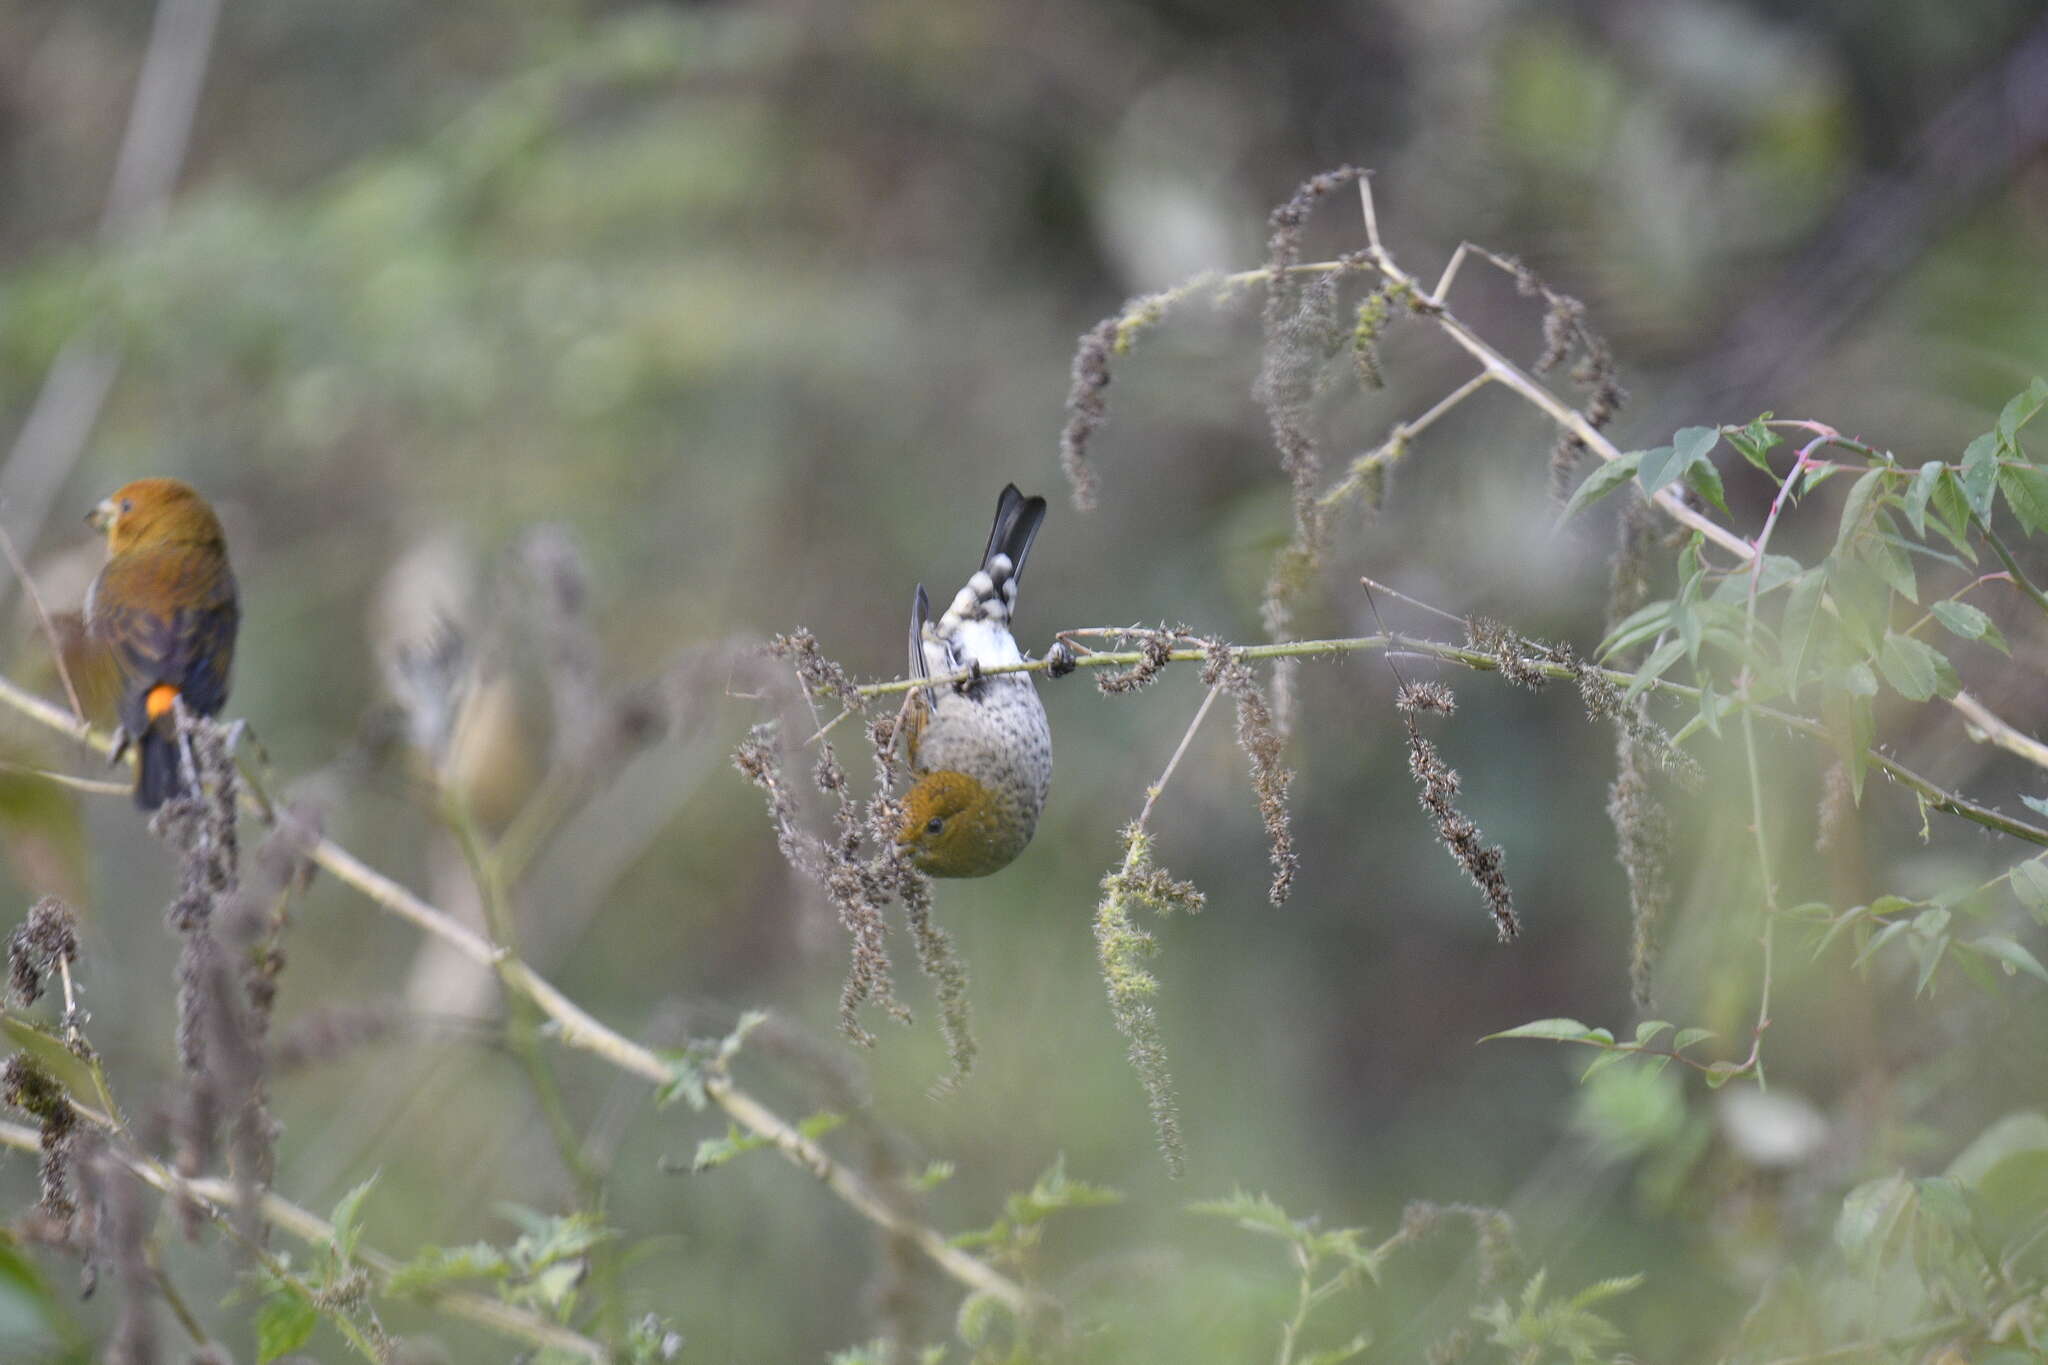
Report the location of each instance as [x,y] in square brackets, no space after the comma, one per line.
[164,605]
[980,749]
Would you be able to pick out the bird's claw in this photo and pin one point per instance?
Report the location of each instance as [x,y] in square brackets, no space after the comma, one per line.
[1060,659]
[119,751]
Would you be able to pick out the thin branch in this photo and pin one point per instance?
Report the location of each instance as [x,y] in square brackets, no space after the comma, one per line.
[1152,792]
[1999,732]
[49,627]
[1512,375]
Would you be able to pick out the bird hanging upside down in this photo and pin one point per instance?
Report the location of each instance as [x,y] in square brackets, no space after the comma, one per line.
[980,749]
[164,606]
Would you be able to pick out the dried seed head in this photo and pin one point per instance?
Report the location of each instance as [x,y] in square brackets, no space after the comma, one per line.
[1482,862]
[1520,661]
[27,1087]
[1642,833]
[1155,648]
[43,941]
[1087,409]
[1265,750]
[1426,696]
[1121,948]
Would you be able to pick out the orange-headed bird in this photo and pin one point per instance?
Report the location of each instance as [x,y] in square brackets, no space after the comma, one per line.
[165,607]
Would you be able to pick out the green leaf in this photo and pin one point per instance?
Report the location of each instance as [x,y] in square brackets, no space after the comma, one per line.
[1873,1215]
[1686,1037]
[1755,441]
[714,1152]
[2030,887]
[702,1058]
[2035,804]
[1952,513]
[1337,1355]
[1922,489]
[1960,618]
[1720,1073]
[1659,466]
[1563,1030]
[1851,725]
[1649,1029]
[347,1229]
[2026,493]
[1601,482]
[1914,669]
[433,1268]
[1856,508]
[2010,1136]
[1643,624]
[1980,474]
[1890,563]
[283,1326]
[2015,957]
[1654,668]
[1601,1061]
[1706,481]
[1795,629]
[1694,444]
[2019,410]
[1253,1212]
[685,1081]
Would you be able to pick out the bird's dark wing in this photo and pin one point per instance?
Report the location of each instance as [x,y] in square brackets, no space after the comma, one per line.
[169,615]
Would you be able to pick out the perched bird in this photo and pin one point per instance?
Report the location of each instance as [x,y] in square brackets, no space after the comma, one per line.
[980,750]
[164,606]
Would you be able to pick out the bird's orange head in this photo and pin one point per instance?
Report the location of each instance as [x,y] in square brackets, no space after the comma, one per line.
[155,512]
[953,827]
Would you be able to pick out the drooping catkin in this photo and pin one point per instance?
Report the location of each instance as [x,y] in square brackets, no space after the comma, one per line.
[1121,948]
[1265,750]
[1437,785]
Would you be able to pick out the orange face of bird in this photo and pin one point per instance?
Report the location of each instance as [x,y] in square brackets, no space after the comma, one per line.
[950,827]
[154,511]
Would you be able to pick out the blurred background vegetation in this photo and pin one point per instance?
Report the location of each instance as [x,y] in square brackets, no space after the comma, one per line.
[757,305]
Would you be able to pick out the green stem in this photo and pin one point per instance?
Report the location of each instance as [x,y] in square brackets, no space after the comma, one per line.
[522,1037]
[2012,566]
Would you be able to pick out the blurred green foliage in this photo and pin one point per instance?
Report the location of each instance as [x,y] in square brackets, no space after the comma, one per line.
[761,302]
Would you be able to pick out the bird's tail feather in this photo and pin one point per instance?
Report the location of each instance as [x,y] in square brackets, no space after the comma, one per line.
[1016,526]
[160,772]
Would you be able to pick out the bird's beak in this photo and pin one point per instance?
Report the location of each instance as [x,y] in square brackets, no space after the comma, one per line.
[101,516]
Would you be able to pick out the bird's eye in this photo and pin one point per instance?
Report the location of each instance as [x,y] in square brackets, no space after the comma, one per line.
[127,504]
[935,824]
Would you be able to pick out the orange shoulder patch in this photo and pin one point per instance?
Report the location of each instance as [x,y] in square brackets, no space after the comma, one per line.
[158,703]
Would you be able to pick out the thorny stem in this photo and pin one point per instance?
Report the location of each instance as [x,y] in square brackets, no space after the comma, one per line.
[1948,802]
[1763,537]
[1755,1061]
[2012,566]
